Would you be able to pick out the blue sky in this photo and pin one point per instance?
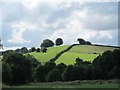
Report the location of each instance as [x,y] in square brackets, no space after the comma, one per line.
[29,23]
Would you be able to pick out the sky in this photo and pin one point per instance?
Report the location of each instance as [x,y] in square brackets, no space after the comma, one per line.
[27,24]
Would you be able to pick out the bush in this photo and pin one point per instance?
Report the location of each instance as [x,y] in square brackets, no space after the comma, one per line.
[54,75]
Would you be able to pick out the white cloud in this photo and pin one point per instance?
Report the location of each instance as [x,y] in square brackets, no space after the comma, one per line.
[31,5]
[74,29]
[60,19]
[18,31]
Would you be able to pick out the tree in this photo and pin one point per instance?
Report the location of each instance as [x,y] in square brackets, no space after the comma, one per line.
[68,73]
[44,50]
[61,67]
[24,50]
[18,50]
[88,43]
[38,50]
[105,65]
[1,45]
[6,73]
[40,74]
[78,61]
[49,65]
[81,41]
[58,41]
[33,49]
[54,75]
[22,67]
[47,43]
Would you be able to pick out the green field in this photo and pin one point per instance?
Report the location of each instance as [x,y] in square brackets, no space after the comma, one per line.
[89,49]
[51,52]
[73,84]
[84,52]
[69,58]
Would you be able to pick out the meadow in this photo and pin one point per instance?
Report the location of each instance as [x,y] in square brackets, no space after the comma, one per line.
[71,84]
[51,52]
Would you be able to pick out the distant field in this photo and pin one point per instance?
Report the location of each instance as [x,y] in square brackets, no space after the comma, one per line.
[51,52]
[84,52]
[89,49]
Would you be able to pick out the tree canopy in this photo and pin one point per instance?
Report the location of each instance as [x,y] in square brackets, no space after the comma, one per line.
[81,41]
[58,41]
[47,43]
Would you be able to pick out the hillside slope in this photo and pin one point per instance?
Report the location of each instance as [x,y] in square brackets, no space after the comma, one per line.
[51,52]
[85,52]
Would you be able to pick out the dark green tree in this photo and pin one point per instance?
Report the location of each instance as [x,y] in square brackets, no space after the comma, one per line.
[61,67]
[24,50]
[44,50]
[7,76]
[88,43]
[58,41]
[78,61]
[47,43]
[22,67]
[33,49]
[38,50]
[54,75]
[81,41]
[68,73]
[41,73]
[49,65]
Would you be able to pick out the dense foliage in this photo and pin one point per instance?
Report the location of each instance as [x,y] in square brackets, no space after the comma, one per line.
[20,68]
[23,69]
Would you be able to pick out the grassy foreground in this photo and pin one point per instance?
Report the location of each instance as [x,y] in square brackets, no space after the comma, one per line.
[74,84]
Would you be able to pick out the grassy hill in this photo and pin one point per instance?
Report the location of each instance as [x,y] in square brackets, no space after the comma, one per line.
[85,52]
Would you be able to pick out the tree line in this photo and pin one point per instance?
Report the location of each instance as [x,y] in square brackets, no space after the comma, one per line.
[21,69]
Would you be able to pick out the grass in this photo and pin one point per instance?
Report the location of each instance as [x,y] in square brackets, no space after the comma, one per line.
[69,58]
[51,52]
[70,84]
[84,52]
[90,49]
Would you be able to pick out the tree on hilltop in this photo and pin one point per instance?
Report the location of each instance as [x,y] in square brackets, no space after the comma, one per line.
[58,41]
